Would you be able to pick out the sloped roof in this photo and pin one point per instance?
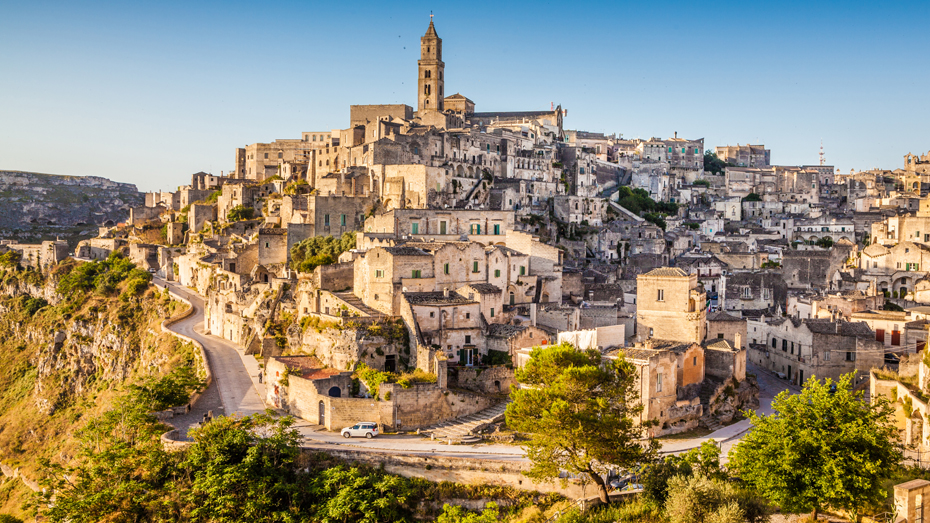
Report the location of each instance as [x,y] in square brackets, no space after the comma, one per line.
[666,271]
[723,316]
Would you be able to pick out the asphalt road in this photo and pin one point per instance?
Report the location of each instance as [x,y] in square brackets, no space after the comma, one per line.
[234,388]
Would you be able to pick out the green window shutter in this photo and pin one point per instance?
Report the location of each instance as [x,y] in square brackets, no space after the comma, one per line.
[445,268]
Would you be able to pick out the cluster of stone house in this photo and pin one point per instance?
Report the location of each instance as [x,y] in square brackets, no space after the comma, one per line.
[480,235]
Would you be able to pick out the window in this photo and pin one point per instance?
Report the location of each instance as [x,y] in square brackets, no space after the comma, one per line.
[719,335]
[766,293]
[774,343]
[467,317]
[266,156]
[651,332]
[476,228]
[445,268]
[682,150]
[415,273]
[280,155]
[492,312]
[497,229]
[694,361]
[326,220]
[826,355]
[747,293]
[497,273]
[659,382]
[850,356]
[442,227]
[661,295]
[792,347]
[784,345]
[379,273]
[414,228]
[474,267]
[468,339]
[342,220]
[522,270]
[432,314]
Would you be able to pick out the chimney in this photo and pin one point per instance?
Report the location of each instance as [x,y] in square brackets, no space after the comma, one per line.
[533,314]
[676,134]
[737,341]
[445,292]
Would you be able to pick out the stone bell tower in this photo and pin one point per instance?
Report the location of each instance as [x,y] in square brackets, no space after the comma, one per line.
[430,75]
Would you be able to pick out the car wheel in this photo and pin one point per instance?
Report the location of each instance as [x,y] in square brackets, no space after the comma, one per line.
[369,436]
[346,435]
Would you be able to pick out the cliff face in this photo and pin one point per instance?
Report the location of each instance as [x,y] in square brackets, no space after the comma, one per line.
[35,207]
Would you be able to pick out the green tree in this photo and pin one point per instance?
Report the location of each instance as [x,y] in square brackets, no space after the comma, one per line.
[824,447]
[239,213]
[309,254]
[826,242]
[579,410]
[244,469]
[752,197]
[713,163]
[363,495]
[703,460]
[120,475]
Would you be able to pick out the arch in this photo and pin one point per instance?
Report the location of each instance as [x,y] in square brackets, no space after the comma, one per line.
[460,171]
[545,298]
[334,392]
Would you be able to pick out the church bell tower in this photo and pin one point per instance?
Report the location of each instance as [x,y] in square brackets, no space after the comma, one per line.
[430,79]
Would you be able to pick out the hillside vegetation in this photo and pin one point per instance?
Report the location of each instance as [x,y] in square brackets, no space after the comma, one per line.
[70,343]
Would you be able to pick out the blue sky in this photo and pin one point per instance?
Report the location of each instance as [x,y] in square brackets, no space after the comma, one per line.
[149,93]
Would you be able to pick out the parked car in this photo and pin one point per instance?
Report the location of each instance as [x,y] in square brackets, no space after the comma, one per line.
[365,428]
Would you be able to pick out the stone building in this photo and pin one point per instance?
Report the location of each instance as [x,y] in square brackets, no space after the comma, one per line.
[745,155]
[755,291]
[723,326]
[670,305]
[799,349]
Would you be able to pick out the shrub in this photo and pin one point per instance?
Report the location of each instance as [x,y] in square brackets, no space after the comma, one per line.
[239,213]
[309,254]
[10,259]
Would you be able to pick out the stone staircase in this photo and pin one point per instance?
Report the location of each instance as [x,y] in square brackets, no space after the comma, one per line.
[460,430]
[707,390]
[354,301]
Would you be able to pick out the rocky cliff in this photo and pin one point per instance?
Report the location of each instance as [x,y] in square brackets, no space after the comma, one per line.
[35,207]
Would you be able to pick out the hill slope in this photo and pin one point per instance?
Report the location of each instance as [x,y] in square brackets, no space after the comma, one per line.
[35,207]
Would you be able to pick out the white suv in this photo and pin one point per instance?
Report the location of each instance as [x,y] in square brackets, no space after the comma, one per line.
[367,429]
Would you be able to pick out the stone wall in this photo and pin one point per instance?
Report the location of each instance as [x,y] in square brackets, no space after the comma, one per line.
[459,470]
[425,404]
[725,364]
[489,380]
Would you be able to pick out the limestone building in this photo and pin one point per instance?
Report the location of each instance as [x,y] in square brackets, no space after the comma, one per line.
[670,305]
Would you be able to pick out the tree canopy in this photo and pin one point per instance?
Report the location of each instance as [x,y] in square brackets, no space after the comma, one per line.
[713,163]
[579,410]
[824,447]
[309,254]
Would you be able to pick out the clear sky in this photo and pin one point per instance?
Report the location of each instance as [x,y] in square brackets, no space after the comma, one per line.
[150,92]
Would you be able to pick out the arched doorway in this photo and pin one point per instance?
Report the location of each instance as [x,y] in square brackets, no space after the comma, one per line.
[322,413]
[335,392]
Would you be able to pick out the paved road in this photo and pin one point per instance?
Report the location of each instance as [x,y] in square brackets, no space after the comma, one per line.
[728,437]
[233,391]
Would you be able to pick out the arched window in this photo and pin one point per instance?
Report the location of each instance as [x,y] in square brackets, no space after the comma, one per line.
[426,74]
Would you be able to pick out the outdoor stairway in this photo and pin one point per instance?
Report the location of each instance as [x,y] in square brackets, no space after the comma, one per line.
[459,430]
[707,389]
[354,301]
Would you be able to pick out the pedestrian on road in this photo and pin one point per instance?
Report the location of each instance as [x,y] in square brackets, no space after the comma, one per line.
[259,376]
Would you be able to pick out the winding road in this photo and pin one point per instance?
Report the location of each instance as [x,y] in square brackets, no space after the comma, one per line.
[232,390]
[236,390]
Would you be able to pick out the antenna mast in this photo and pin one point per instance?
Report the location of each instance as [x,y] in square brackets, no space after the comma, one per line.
[821,153]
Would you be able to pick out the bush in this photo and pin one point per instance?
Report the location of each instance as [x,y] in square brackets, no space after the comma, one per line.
[700,499]
[239,213]
[10,259]
[309,254]
[497,357]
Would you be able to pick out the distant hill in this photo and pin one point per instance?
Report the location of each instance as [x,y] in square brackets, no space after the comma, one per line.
[35,206]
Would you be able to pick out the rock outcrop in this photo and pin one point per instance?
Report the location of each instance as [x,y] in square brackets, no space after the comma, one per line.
[35,206]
